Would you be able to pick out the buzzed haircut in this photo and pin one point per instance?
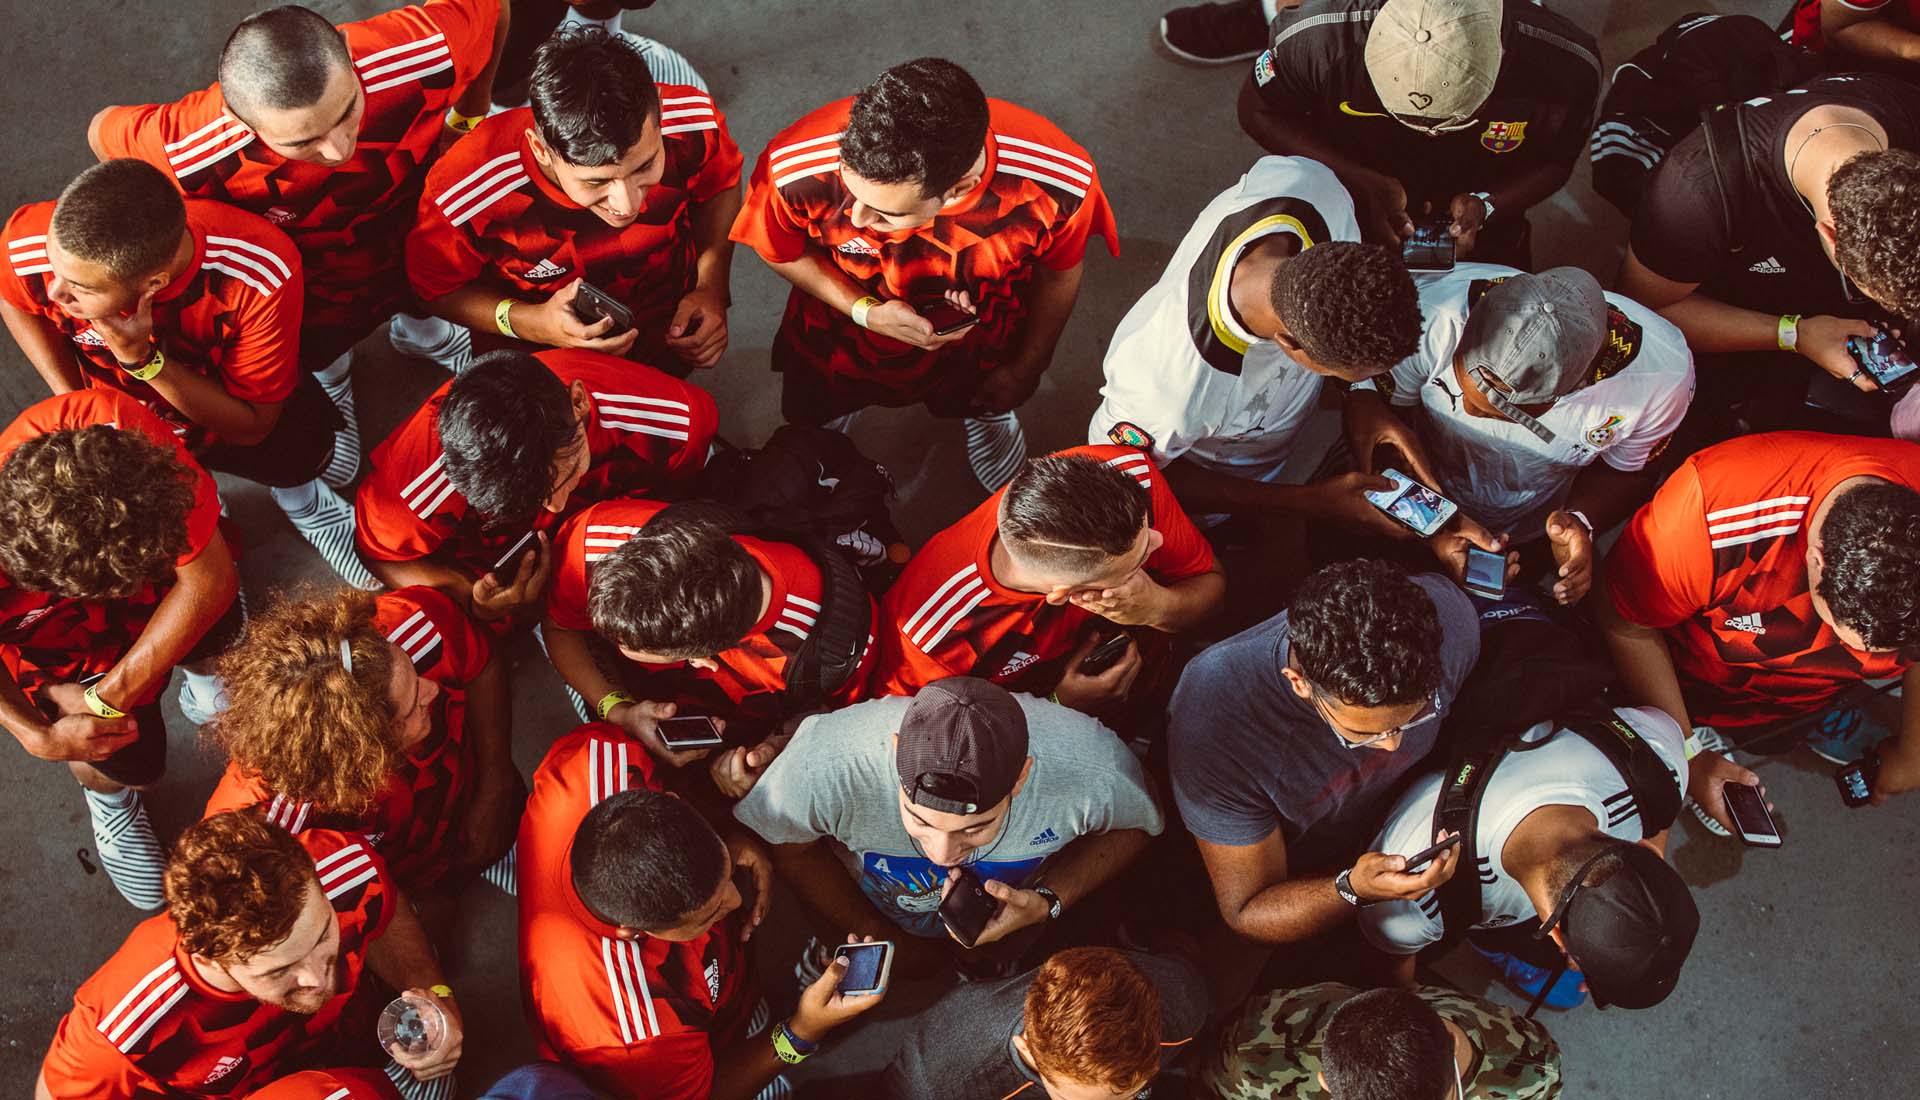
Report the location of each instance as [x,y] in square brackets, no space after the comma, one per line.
[646,860]
[1071,513]
[280,60]
[922,121]
[1387,1044]
[592,96]
[124,215]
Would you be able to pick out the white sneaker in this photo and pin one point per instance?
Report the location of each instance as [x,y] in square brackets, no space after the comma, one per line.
[129,851]
[444,342]
[996,446]
[668,65]
[505,872]
[328,525]
[346,442]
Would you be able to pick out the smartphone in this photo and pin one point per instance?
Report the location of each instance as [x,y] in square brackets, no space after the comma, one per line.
[868,965]
[945,317]
[1413,504]
[1750,817]
[1486,573]
[967,908]
[1105,655]
[1883,357]
[1855,780]
[695,731]
[509,563]
[1427,855]
[1431,246]
[591,303]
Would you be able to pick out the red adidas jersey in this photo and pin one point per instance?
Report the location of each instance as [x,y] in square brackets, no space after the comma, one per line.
[232,315]
[348,220]
[1038,202]
[638,1018]
[331,1084]
[747,687]
[147,1025]
[649,432]
[427,799]
[47,639]
[1718,561]
[948,616]
[491,215]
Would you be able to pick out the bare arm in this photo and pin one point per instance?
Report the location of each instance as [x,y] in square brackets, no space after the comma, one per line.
[1086,864]
[489,722]
[424,572]
[1641,657]
[1050,300]
[1189,602]
[46,348]
[1260,902]
[203,590]
[1867,33]
[402,956]
[572,658]
[1381,200]
[1606,495]
[713,248]
[826,888]
[477,97]
[208,404]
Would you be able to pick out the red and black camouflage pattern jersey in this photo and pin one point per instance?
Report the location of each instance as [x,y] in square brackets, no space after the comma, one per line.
[340,1083]
[349,220]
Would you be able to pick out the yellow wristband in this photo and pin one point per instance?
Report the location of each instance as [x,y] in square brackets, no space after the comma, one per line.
[100,707]
[863,307]
[463,123]
[503,318]
[443,991]
[609,701]
[1787,332]
[145,371]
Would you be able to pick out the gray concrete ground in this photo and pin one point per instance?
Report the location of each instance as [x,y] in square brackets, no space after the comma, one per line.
[1797,984]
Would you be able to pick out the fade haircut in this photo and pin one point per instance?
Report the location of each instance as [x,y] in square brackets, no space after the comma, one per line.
[124,215]
[1093,1018]
[505,427]
[92,513]
[1071,514]
[592,96]
[1387,1044]
[1870,572]
[280,60]
[680,588]
[644,859]
[1365,634]
[1350,305]
[236,885]
[922,121]
[1875,201]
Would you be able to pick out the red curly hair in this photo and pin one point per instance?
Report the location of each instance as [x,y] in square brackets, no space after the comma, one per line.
[1094,1018]
[236,885]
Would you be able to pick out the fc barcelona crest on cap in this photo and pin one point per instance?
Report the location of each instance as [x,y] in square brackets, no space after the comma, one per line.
[1503,137]
[1127,435]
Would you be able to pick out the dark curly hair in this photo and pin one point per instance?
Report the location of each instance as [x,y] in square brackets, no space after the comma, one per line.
[1366,635]
[1350,305]
[922,121]
[681,587]
[1387,1044]
[646,860]
[592,96]
[1072,513]
[236,885]
[125,215]
[505,425]
[1870,577]
[1875,199]
[92,513]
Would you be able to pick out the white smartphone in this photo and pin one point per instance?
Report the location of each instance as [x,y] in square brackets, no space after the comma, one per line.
[1486,573]
[1413,504]
[694,731]
[868,967]
[1750,816]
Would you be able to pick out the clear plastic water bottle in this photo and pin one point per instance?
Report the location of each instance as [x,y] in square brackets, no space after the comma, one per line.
[415,1023]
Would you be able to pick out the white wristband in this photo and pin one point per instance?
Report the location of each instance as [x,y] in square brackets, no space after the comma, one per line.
[863,307]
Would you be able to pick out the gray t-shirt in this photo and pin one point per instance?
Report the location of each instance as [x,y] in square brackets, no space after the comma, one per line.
[962,1047]
[836,779]
[1248,756]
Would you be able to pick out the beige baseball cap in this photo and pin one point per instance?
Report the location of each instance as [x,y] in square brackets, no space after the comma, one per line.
[1434,62]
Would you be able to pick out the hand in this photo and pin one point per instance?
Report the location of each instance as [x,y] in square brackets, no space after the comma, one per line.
[492,818]
[129,338]
[1342,498]
[1450,546]
[698,333]
[494,599]
[750,855]
[1899,769]
[553,323]
[822,1008]
[1137,601]
[1383,209]
[1377,876]
[82,737]
[897,319]
[439,1060]
[1469,215]
[1706,775]
[1018,909]
[1370,425]
[1005,387]
[1088,694]
[1573,550]
[642,719]
[735,771]
[1824,341]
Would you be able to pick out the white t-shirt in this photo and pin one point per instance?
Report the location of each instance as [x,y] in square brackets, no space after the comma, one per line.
[1564,770]
[1499,472]
[1182,372]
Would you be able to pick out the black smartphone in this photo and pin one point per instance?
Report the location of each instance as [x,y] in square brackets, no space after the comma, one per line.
[590,304]
[868,967]
[1105,655]
[945,317]
[967,908]
[1855,780]
[1430,248]
[509,563]
[1884,357]
[1427,855]
[1486,573]
[1750,817]
[694,731]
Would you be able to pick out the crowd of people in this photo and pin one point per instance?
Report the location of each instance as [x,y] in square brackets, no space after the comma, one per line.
[1012,755]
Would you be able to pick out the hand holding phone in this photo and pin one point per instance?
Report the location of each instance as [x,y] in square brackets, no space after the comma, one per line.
[591,304]
[869,965]
[1884,358]
[1750,817]
[967,907]
[690,731]
[1106,654]
[1486,573]
[945,317]
[1421,509]
[1431,247]
[1428,854]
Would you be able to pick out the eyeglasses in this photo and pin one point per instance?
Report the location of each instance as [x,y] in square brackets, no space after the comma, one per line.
[1427,714]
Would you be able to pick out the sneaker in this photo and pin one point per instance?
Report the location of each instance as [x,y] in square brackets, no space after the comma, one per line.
[202,697]
[813,962]
[504,873]
[412,1088]
[668,65]
[452,347]
[996,446]
[1844,734]
[328,525]
[1706,819]
[123,838]
[346,442]
[1525,979]
[1215,34]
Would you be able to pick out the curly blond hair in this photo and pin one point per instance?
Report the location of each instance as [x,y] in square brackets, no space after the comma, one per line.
[92,513]
[236,886]
[298,720]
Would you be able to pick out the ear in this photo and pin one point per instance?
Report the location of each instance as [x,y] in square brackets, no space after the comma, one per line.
[156,282]
[1827,234]
[627,934]
[1560,940]
[1025,770]
[582,402]
[1285,339]
[630,655]
[541,153]
[1297,682]
[1020,1044]
[1320,1077]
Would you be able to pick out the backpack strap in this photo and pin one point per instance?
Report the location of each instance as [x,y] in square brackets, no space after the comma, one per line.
[1457,810]
[831,654]
[1656,794]
[1734,174]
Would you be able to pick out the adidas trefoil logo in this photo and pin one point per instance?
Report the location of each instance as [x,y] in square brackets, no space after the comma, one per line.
[1749,623]
[545,269]
[1769,266]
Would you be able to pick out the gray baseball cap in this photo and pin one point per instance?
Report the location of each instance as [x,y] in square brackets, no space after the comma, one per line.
[1532,339]
[1435,61]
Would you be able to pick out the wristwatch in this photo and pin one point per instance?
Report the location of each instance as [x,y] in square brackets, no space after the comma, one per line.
[1486,200]
[1053,902]
[1344,887]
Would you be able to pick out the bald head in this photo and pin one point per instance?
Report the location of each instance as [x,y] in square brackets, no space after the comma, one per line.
[281,59]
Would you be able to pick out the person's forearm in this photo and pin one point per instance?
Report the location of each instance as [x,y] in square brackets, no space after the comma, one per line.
[1292,135]
[819,277]
[424,572]
[1606,495]
[1050,300]
[1290,911]
[824,886]
[743,1069]
[713,248]
[489,720]
[571,652]
[1086,864]
[1203,490]
[208,404]
[402,957]
[1640,655]
[1189,602]
[46,348]
[1536,184]
[205,587]
[473,306]
[1869,36]
[1715,326]
[477,96]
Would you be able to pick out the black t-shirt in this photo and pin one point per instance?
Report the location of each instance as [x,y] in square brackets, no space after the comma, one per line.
[1541,108]
[1772,261]
[962,1047]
